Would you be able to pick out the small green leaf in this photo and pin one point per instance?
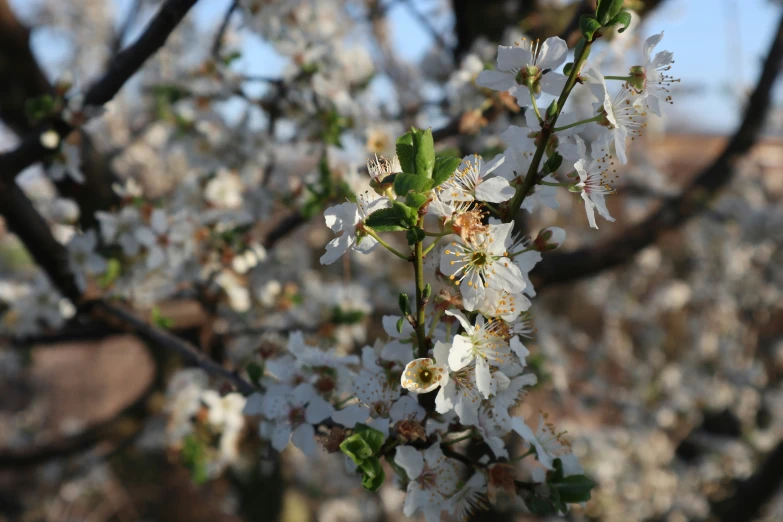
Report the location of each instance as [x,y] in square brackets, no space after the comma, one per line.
[553,163]
[416,199]
[372,437]
[574,488]
[113,271]
[356,448]
[405,304]
[406,215]
[607,9]
[567,68]
[588,25]
[540,506]
[371,467]
[414,235]
[255,371]
[426,292]
[551,110]
[194,458]
[400,323]
[406,152]
[624,18]
[374,483]
[444,168]
[579,49]
[160,321]
[404,183]
[425,152]
[385,220]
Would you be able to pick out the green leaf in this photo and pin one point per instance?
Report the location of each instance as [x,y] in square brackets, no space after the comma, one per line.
[372,437]
[426,292]
[404,183]
[579,49]
[444,168]
[406,152]
[414,235]
[374,483]
[553,163]
[400,323]
[350,317]
[607,9]
[416,199]
[371,467]
[540,506]
[386,220]
[588,25]
[194,458]
[405,304]
[425,152]
[407,215]
[160,321]
[624,18]
[567,68]
[574,488]
[255,371]
[357,449]
[113,271]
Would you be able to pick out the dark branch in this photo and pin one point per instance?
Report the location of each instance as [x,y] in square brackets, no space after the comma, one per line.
[754,492]
[123,30]
[113,313]
[217,44]
[122,67]
[33,231]
[570,266]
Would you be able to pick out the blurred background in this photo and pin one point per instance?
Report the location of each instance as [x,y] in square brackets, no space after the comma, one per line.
[661,355]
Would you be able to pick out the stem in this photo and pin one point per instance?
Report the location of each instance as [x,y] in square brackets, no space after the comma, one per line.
[576,123]
[418,268]
[520,457]
[492,209]
[623,78]
[435,321]
[436,234]
[432,245]
[386,245]
[511,256]
[550,184]
[533,101]
[546,132]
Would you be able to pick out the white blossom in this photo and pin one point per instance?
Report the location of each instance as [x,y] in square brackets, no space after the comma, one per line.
[526,62]
[481,262]
[432,479]
[343,220]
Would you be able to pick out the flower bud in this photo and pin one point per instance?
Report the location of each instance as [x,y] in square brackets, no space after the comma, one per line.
[549,239]
[638,78]
[50,139]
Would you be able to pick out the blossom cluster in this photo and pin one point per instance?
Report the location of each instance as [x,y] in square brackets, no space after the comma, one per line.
[453,366]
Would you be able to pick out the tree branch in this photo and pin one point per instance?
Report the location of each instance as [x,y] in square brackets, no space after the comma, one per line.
[112,313]
[569,266]
[124,65]
[217,44]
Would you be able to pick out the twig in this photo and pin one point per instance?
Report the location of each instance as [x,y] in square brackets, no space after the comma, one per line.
[570,266]
[217,44]
[171,342]
[124,65]
[122,32]
[428,26]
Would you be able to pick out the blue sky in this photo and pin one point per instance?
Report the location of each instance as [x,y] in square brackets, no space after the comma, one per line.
[718,44]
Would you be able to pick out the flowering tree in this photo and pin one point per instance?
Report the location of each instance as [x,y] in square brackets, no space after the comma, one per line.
[452,364]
